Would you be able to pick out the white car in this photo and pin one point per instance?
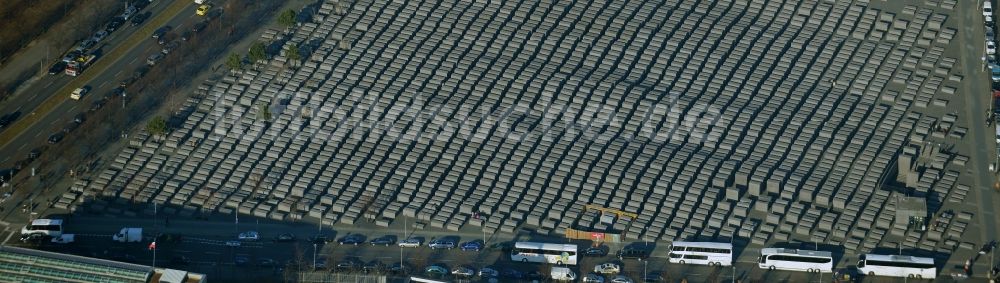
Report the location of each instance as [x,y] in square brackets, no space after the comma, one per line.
[622,279]
[607,268]
[249,236]
[409,243]
[988,11]
[78,93]
[233,243]
[991,48]
[594,278]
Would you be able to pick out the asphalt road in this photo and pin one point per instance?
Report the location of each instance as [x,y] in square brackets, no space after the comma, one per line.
[46,86]
[204,244]
[977,89]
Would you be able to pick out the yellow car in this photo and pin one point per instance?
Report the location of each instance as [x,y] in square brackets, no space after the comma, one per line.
[203,10]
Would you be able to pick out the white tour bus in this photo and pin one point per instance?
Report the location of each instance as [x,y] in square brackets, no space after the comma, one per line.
[544,253]
[897,266]
[46,227]
[795,260]
[707,253]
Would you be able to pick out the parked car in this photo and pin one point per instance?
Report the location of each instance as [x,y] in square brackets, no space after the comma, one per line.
[199,26]
[595,252]
[241,260]
[653,277]
[57,68]
[436,270]
[266,262]
[161,31]
[129,12]
[372,266]
[351,239]
[534,275]
[991,48]
[441,244]
[99,36]
[488,272]
[472,246]
[285,237]
[186,35]
[233,243]
[156,57]
[399,268]
[463,271]
[320,263]
[34,154]
[249,236]
[383,241]
[70,127]
[622,279]
[512,274]
[85,44]
[140,18]
[607,268]
[97,105]
[594,278]
[633,253]
[988,247]
[988,11]
[71,56]
[169,47]
[114,24]
[319,239]
[410,243]
[79,118]
[348,264]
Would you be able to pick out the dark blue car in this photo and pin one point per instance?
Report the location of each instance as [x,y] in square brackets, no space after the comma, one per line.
[472,246]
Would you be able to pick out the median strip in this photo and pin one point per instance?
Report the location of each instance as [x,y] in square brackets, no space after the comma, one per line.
[99,67]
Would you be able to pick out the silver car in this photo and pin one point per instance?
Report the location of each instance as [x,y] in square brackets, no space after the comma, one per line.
[409,243]
[440,244]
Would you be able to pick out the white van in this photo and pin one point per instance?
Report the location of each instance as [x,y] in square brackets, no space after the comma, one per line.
[988,10]
[44,227]
[562,274]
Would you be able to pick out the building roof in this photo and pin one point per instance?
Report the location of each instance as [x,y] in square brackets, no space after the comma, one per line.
[28,265]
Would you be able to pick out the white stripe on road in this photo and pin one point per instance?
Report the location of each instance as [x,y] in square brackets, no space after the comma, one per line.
[8,238]
[73,108]
[133,60]
[102,84]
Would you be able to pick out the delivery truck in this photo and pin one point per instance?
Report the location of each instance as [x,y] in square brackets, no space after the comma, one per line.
[128,235]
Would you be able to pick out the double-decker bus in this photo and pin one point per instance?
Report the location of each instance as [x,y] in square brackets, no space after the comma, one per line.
[897,266]
[544,253]
[706,253]
[795,260]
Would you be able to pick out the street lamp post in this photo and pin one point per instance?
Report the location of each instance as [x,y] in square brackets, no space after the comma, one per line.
[314,255]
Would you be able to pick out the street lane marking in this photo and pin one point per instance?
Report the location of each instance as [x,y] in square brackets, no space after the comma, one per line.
[133,60]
